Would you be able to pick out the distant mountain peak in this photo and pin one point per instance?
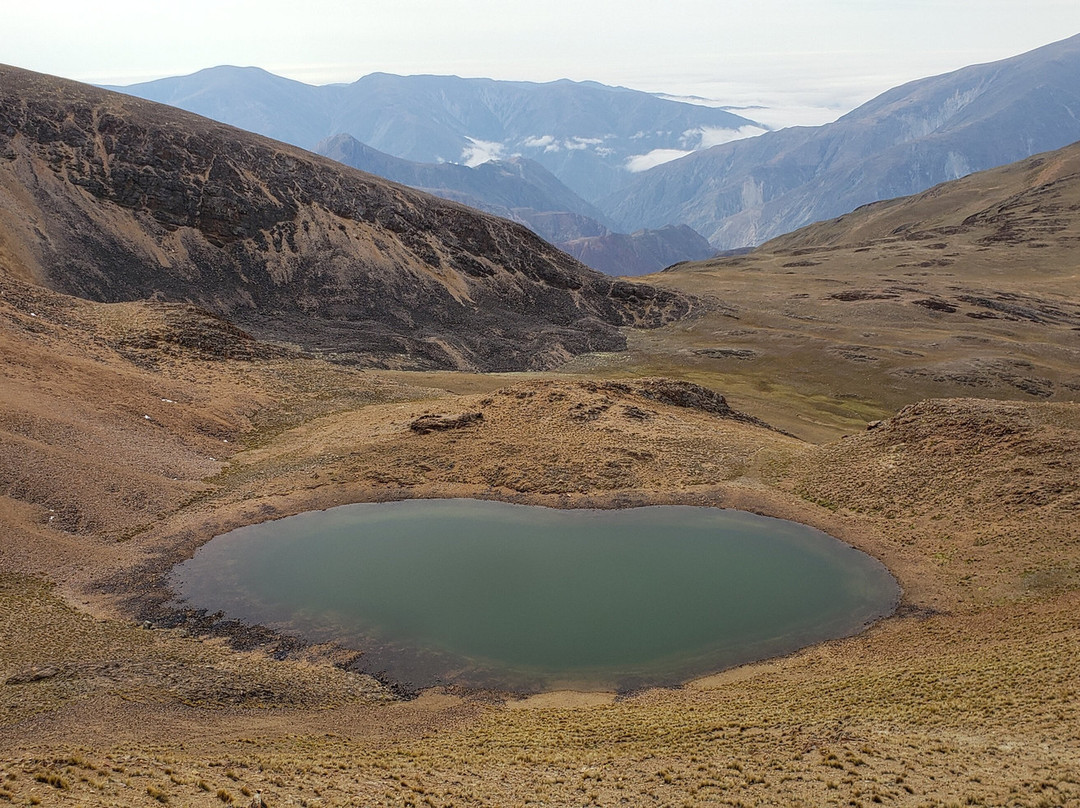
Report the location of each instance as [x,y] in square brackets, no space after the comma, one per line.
[583,132]
[902,142]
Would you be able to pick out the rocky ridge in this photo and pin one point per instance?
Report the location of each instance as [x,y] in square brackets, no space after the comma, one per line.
[111,198]
[523,191]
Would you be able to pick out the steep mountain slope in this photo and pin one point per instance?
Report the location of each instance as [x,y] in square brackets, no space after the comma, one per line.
[970,288]
[641,252]
[518,189]
[583,132]
[110,198]
[1032,203]
[902,142]
[524,191]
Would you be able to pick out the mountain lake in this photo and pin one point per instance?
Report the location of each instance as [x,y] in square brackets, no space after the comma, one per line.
[486,594]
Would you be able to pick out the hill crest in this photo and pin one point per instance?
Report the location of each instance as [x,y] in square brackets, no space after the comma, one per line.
[112,198]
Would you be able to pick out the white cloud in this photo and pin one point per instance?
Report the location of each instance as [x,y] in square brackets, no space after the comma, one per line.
[777,111]
[643,162]
[705,137]
[545,142]
[782,116]
[482,151]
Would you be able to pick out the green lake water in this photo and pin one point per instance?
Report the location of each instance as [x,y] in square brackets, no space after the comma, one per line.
[486,594]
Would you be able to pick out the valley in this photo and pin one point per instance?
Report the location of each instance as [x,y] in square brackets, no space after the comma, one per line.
[903,378]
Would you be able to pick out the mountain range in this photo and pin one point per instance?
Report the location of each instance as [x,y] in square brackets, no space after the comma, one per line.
[642,163]
[904,141]
[524,191]
[111,198]
[516,188]
[589,135]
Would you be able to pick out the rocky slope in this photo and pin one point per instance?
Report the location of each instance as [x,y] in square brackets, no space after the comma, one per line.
[111,198]
[902,142]
[968,289]
[641,252]
[524,191]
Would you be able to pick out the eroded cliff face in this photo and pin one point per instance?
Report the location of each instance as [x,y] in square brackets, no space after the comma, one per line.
[111,198]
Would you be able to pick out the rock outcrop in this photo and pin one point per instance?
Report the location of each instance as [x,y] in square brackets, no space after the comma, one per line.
[111,198]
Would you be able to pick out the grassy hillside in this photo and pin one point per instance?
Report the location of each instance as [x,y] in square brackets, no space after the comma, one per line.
[133,432]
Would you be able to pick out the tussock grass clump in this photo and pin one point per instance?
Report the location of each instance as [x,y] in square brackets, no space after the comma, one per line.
[53,779]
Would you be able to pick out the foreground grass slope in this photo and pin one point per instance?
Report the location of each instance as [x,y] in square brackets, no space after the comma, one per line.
[967,696]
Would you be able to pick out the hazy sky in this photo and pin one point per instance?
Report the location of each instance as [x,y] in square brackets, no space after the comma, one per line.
[810,60]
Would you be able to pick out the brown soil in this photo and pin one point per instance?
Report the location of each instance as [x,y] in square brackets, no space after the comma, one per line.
[123,449]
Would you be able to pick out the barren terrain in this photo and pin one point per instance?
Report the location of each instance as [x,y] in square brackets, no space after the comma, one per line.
[119,460]
[908,389]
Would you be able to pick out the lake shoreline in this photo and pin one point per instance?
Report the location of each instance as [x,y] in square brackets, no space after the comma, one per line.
[143,595]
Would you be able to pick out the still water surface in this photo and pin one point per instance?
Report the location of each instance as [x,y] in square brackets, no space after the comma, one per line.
[486,594]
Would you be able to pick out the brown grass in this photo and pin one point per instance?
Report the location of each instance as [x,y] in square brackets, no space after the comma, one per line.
[968,696]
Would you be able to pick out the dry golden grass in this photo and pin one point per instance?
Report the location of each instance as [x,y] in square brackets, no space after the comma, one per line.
[966,290]
[967,697]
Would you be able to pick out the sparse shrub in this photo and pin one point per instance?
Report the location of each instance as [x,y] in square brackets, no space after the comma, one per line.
[157,794]
[224,795]
[53,779]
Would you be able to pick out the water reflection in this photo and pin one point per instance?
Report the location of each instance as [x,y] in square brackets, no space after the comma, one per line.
[486,594]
